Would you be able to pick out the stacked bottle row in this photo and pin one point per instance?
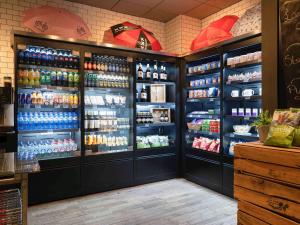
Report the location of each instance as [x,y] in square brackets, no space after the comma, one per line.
[105,121]
[109,141]
[29,149]
[105,80]
[147,117]
[48,99]
[37,77]
[30,121]
[155,75]
[107,63]
[36,55]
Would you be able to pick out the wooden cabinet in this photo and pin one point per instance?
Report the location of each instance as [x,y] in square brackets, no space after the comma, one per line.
[267,184]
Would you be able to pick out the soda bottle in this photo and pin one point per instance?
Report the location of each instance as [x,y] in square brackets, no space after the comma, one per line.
[75,100]
[76,79]
[20,77]
[43,77]
[75,62]
[38,56]
[48,77]
[53,78]
[71,99]
[55,58]
[43,57]
[26,56]
[70,79]
[59,78]
[65,79]
[60,58]
[50,57]
[71,59]
[66,59]
[32,56]
[21,56]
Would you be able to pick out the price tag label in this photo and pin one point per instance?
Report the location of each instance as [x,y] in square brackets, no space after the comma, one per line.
[231,135]
[50,131]
[88,54]
[26,106]
[247,98]
[247,118]
[37,106]
[147,125]
[65,106]
[21,47]
[211,100]
[75,53]
[57,106]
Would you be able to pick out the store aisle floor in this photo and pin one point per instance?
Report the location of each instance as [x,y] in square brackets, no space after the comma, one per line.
[172,202]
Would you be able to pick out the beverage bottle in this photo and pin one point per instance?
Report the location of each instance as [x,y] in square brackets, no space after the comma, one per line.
[161,75]
[94,62]
[48,77]
[140,72]
[59,78]
[76,79]
[65,79]
[76,62]
[28,99]
[37,78]
[85,64]
[155,75]
[25,80]
[20,77]
[30,77]
[55,58]
[98,63]
[43,57]
[60,58]
[117,65]
[21,56]
[137,95]
[71,59]
[70,79]
[38,56]
[144,95]
[26,56]
[75,120]
[66,59]
[32,55]
[71,99]
[90,66]
[50,57]
[43,77]
[75,100]
[148,72]
[104,64]
[53,78]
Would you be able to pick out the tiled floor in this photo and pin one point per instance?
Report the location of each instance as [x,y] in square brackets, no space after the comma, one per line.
[176,201]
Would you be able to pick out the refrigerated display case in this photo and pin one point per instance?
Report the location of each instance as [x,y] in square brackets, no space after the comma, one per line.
[202,123]
[156,118]
[48,112]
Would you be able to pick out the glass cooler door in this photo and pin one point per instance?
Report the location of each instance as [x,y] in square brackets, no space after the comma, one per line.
[203,105]
[107,104]
[48,107]
[242,95]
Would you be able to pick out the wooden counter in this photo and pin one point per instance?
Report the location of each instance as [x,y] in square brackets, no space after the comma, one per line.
[267,184]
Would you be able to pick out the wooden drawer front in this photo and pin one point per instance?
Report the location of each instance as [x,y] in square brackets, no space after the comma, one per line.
[263,214]
[281,156]
[267,187]
[246,219]
[276,204]
[273,171]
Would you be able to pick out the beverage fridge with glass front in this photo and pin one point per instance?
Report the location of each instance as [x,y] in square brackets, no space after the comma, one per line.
[91,118]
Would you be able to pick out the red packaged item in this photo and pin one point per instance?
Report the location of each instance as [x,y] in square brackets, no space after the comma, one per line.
[205,144]
[213,146]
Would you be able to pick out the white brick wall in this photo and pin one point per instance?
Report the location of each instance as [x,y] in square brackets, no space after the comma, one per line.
[175,36]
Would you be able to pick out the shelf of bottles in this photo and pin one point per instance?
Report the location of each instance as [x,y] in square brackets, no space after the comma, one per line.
[203,105]
[48,109]
[242,95]
[155,104]
[108,104]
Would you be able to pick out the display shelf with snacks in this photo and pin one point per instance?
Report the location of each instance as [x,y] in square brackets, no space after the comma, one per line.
[47,102]
[107,104]
[242,94]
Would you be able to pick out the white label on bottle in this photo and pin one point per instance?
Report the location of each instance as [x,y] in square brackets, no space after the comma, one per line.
[144,95]
[155,75]
[148,75]
[163,76]
[140,74]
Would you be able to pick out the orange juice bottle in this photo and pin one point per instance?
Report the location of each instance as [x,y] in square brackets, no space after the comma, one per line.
[71,99]
[30,77]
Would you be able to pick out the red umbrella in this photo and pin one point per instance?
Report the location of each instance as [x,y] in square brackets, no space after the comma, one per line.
[215,32]
[55,21]
[131,35]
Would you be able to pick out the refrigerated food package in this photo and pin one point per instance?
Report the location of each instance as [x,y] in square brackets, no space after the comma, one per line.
[206,144]
[152,141]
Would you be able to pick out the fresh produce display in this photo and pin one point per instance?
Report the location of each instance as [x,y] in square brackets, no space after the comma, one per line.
[206,144]
[152,141]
